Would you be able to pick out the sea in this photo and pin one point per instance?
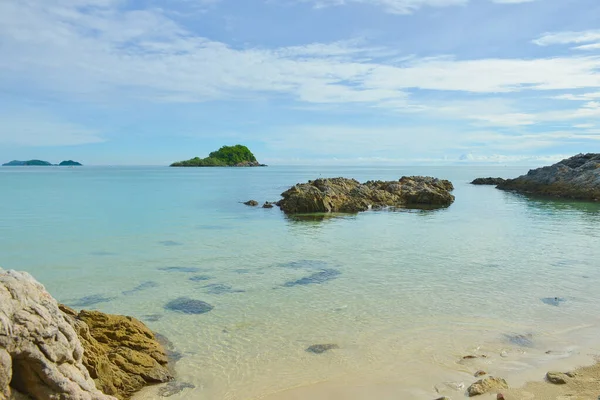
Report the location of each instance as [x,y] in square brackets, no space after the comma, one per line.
[400,297]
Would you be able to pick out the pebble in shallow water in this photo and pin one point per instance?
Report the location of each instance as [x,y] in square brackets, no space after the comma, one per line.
[188,306]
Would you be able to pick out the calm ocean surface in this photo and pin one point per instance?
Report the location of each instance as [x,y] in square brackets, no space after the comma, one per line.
[415,292]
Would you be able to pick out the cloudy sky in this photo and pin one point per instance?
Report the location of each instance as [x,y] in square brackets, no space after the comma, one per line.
[300,81]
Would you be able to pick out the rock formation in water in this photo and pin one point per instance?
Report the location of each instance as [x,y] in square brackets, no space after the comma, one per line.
[40,353]
[488,181]
[48,351]
[349,195]
[121,353]
[577,177]
[226,156]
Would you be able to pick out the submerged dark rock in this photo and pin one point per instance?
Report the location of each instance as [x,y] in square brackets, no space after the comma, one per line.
[200,278]
[188,306]
[251,203]
[102,253]
[310,264]
[520,340]
[322,348]
[173,388]
[180,269]
[577,177]
[316,278]
[553,301]
[140,287]
[151,317]
[217,288]
[172,354]
[91,300]
[350,196]
[170,243]
[488,181]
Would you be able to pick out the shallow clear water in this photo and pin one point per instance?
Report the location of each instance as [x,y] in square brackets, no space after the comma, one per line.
[408,293]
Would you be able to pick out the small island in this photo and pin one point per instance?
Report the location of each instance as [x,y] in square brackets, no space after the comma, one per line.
[70,163]
[17,163]
[226,156]
[40,163]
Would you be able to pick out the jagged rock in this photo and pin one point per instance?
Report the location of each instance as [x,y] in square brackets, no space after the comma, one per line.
[268,205]
[41,355]
[251,203]
[488,181]
[121,353]
[349,195]
[558,378]
[486,385]
[577,177]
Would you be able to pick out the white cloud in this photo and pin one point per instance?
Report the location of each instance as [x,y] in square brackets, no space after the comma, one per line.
[402,7]
[561,38]
[393,6]
[579,97]
[105,53]
[512,1]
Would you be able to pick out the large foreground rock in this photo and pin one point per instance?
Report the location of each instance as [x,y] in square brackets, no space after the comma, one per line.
[40,353]
[577,177]
[349,195]
[50,352]
[121,353]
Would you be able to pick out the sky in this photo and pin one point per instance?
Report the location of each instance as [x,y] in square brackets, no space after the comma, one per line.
[348,82]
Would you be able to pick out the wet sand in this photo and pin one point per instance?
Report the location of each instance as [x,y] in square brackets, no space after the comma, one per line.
[524,384]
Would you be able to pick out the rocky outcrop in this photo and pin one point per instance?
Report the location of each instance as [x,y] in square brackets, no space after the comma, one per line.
[486,385]
[251,203]
[350,196]
[577,177]
[121,354]
[488,181]
[250,164]
[41,355]
[49,351]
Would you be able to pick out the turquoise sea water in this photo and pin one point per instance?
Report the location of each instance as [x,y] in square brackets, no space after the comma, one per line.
[409,292]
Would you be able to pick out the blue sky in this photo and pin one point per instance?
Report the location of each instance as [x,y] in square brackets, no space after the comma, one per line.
[300,81]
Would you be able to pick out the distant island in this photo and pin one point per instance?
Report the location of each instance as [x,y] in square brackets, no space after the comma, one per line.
[226,156]
[39,163]
[70,163]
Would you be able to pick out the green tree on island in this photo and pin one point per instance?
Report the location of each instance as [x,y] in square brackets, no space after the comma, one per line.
[226,156]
